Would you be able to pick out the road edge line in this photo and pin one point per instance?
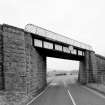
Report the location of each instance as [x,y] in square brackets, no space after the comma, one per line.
[95,92]
[38,95]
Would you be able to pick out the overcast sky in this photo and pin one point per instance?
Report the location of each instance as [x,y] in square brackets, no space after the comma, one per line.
[82,20]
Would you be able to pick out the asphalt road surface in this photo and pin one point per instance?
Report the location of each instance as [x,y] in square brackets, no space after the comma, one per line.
[63,90]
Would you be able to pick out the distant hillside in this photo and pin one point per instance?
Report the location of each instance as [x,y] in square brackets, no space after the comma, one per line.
[54,72]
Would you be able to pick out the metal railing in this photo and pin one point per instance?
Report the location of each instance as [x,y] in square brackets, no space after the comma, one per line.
[55,36]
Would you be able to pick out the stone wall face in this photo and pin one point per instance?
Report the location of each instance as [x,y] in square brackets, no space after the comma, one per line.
[93,65]
[14,63]
[22,66]
[82,72]
[87,67]
[84,69]
[100,60]
[92,68]
[1,60]
[35,67]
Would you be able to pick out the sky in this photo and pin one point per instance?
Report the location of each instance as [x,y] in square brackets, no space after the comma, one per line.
[82,20]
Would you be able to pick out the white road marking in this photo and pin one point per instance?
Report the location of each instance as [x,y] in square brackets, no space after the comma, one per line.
[95,92]
[70,96]
[72,99]
[38,95]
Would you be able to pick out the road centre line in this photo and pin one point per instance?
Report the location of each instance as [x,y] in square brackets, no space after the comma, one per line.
[70,96]
[72,99]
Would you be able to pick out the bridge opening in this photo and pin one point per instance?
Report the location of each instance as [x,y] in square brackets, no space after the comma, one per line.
[24,54]
[57,67]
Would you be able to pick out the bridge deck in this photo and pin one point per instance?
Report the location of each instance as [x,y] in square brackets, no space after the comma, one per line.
[54,36]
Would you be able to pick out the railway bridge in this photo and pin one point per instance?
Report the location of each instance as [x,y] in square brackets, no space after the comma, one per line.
[23,55]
